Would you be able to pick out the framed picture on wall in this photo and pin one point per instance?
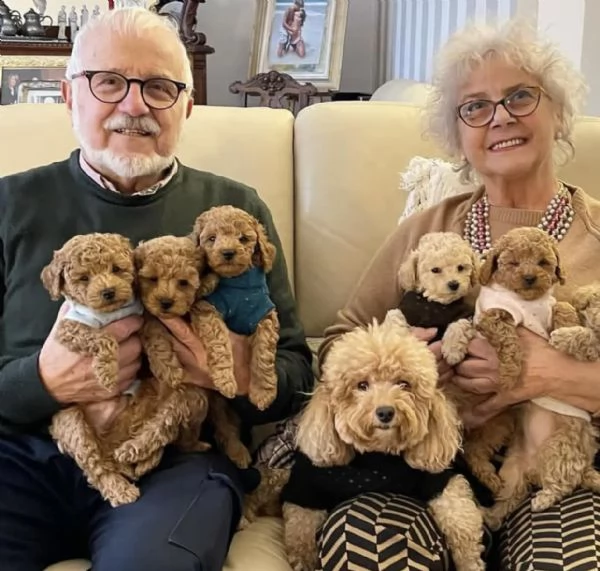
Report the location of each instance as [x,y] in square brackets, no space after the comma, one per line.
[31,79]
[303,38]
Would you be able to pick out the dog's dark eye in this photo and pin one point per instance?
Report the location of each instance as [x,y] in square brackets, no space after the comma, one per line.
[513,263]
[244,239]
[211,238]
[460,268]
[544,262]
[403,384]
[84,278]
[436,270]
[183,283]
[153,279]
[116,269]
[363,386]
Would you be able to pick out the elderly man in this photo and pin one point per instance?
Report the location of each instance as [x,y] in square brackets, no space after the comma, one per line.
[128,90]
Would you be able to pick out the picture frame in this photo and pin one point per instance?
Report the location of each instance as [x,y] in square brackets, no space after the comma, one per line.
[309,47]
[31,78]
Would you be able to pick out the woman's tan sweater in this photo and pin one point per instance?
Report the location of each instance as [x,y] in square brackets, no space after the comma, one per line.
[378,290]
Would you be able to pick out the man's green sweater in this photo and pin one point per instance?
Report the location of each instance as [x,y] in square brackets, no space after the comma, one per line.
[42,208]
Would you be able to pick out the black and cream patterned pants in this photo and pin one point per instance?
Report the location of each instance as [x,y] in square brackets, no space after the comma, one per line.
[377,532]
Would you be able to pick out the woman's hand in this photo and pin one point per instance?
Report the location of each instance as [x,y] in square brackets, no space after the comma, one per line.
[192,354]
[478,374]
[445,371]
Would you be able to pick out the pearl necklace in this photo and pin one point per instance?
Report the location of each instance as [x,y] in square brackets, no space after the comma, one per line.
[556,220]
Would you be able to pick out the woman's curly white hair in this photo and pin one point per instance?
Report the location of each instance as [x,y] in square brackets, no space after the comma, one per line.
[520,44]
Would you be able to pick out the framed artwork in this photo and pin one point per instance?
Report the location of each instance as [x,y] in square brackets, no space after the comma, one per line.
[303,38]
[31,79]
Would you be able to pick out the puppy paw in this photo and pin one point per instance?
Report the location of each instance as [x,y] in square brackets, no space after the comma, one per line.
[543,500]
[262,397]
[128,453]
[117,491]
[492,518]
[239,455]
[456,341]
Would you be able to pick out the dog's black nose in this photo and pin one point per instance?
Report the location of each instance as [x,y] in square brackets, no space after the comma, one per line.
[453,285]
[165,303]
[228,254]
[385,413]
[108,293]
[529,280]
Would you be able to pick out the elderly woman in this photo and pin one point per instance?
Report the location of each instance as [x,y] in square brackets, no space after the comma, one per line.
[504,102]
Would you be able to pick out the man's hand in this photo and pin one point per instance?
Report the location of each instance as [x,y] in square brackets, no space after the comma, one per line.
[68,376]
[445,371]
[192,355]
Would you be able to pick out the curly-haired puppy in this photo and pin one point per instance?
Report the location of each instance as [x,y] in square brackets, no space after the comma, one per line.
[436,278]
[96,273]
[544,436]
[378,422]
[239,255]
[169,271]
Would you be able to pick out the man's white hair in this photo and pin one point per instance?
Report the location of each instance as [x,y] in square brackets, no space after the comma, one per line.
[129,22]
[517,43]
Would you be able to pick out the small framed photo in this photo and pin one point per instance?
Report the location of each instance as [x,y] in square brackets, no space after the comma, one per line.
[303,38]
[31,79]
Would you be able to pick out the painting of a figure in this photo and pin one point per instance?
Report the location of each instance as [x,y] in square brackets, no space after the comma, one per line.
[303,38]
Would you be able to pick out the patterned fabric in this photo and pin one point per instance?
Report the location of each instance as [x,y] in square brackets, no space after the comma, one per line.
[377,532]
[565,537]
[277,451]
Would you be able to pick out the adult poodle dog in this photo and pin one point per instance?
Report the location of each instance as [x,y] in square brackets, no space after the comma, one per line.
[377,422]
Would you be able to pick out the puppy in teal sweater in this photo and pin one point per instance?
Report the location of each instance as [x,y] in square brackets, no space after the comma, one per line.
[239,256]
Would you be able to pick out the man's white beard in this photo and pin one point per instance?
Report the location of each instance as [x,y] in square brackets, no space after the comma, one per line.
[132,165]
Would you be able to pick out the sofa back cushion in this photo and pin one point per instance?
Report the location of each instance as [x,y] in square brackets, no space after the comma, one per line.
[348,157]
[252,145]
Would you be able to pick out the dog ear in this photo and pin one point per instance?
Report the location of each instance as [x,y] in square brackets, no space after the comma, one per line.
[138,255]
[442,441]
[199,224]
[407,274]
[488,267]
[559,272]
[317,436]
[52,275]
[264,253]
[476,263]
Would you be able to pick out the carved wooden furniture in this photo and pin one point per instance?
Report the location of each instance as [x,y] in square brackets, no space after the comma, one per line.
[277,90]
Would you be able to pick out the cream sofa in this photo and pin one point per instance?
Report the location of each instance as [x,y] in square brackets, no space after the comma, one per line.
[331,180]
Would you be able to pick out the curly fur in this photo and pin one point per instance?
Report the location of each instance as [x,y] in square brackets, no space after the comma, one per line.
[545,449]
[170,277]
[383,365]
[85,269]
[234,242]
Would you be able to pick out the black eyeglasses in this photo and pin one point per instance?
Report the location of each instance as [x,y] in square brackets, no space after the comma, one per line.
[111,87]
[520,103]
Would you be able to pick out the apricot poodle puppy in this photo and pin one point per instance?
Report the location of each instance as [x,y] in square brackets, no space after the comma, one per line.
[378,422]
[239,255]
[96,273]
[548,441]
[436,278]
[169,271]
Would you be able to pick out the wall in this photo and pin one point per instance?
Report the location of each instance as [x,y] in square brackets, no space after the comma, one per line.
[228,25]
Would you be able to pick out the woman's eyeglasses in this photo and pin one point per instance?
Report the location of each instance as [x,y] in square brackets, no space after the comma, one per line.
[520,103]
